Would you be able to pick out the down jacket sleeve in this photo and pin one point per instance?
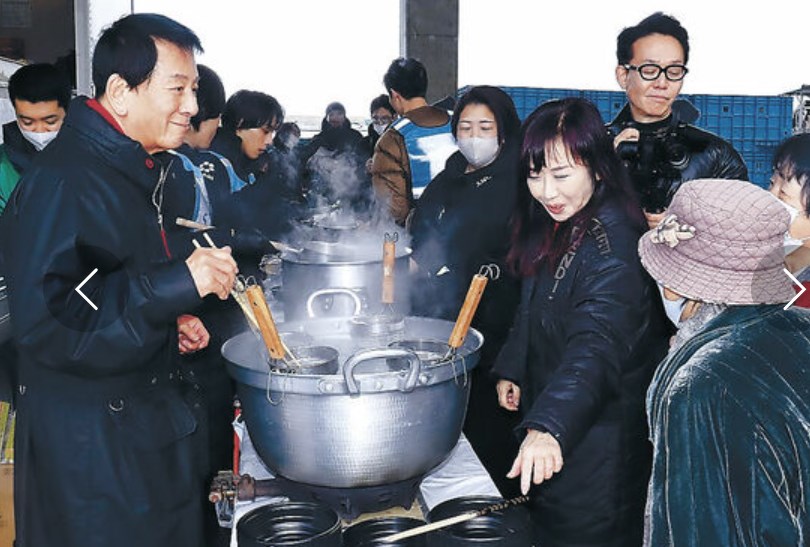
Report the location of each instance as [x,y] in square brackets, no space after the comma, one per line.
[391,175]
[608,313]
[57,239]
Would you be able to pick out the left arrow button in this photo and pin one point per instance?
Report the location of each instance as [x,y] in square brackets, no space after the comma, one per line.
[80,285]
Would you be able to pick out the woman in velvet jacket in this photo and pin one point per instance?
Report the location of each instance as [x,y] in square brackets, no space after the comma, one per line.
[581,351]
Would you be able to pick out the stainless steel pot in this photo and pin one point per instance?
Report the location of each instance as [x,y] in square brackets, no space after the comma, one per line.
[366,426]
[5,316]
[316,284]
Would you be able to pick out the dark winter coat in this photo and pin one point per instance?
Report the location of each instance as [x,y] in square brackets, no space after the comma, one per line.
[260,205]
[672,152]
[334,163]
[729,411]
[20,151]
[582,353]
[106,444]
[461,223]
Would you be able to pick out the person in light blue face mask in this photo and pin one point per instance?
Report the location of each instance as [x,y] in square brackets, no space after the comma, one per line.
[40,94]
[791,173]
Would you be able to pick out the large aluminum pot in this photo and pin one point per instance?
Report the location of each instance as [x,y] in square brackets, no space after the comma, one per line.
[5,316]
[338,280]
[386,417]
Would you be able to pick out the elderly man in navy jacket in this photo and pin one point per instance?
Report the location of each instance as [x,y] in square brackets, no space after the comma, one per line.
[107,442]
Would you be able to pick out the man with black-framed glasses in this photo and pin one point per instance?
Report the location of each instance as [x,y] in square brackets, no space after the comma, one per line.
[655,138]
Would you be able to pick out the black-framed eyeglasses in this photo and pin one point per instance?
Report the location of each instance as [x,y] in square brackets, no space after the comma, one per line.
[651,71]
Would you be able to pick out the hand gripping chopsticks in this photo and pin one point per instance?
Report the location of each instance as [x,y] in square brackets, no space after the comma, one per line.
[254,306]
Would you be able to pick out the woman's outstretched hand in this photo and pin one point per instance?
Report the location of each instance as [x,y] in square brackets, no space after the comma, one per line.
[538,459]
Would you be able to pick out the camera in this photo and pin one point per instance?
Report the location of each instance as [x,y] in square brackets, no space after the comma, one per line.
[655,162]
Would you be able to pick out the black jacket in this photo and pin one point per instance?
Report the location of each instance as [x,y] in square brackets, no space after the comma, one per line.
[671,152]
[461,222]
[104,432]
[20,151]
[199,188]
[334,163]
[261,204]
[582,352]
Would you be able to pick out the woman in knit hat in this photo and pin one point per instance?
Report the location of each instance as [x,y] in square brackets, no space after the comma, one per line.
[730,406]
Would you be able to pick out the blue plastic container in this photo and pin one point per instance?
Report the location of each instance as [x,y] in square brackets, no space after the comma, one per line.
[753,124]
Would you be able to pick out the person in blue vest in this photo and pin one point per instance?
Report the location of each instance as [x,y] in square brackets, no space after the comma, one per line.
[415,148]
[203,187]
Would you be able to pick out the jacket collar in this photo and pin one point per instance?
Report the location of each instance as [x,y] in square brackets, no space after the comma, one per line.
[111,145]
[682,112]
[229,145]
[20,151]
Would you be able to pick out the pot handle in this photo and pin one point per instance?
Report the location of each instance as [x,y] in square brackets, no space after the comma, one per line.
[358,305]
[414,368]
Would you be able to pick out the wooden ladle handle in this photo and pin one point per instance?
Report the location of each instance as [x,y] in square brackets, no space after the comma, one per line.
[389,261]
[465,316]
[264,318]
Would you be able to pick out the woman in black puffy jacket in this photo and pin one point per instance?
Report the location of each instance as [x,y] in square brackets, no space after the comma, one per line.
[581,351]
[460,223]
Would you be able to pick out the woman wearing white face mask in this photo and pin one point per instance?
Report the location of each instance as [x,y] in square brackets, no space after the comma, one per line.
[461,222]
[789,183]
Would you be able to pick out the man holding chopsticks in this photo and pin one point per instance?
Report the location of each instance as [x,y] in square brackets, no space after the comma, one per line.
[107,442]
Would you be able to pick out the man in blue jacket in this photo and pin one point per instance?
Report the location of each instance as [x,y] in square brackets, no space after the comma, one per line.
[107,442]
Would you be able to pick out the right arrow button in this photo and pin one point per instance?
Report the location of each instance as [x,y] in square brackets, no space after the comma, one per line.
[802,288]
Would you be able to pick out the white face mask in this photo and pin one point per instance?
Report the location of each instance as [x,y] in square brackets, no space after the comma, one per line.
[39,140]
[792,243]
[479,151]
[673,308]
[380,127]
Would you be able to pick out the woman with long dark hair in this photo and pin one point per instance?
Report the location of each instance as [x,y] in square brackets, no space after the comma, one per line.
[460,223]
[581,351]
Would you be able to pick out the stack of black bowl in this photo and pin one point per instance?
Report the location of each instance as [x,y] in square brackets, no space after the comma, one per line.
[291,524]
[370,533]
[509,527]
